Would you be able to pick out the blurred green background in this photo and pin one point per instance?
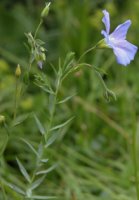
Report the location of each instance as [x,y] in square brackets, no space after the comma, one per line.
[94,152]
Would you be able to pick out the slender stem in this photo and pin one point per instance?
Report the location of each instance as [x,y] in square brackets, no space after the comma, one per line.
[53,107]
[38,27]
[87,51]
[135,164]
[16,98]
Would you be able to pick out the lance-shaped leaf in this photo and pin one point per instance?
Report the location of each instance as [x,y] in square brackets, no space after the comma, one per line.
[37,183]
[23,170]
[15,188]
[47,170]
[62,125]
[46,89]
[66,99]
[39,125]
[20,119]
[68,60]
[51,139]
[44,160]
[30,146]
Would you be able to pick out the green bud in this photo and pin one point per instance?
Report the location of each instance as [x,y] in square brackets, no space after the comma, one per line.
[42,49]
[43,56]
[102,44]
[40,56]
[45,11]
[2,119]
[18,71]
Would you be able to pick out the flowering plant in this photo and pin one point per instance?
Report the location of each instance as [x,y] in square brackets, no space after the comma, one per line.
[51,87]
[123,50]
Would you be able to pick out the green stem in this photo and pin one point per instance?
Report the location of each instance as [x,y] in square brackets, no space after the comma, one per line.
[53,108]
[16,98]
[45,137]
[38,27]
[86,52]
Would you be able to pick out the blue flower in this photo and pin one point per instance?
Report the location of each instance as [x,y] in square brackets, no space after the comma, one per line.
[123,50]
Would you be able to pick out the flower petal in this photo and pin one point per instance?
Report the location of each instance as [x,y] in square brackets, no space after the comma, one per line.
[121,31]
[124,52]
[40,64]
[106,21]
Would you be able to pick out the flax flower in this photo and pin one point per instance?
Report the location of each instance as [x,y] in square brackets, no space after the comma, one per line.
[123,50]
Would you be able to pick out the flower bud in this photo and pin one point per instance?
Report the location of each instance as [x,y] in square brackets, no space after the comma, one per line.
[2,119]
[43,56]
[45,11]
[18,71]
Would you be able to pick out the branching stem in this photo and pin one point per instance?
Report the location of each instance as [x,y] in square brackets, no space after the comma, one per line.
[16,97]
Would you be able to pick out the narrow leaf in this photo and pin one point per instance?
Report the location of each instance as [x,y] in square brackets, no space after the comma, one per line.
[53,68]
[51,140]
[68,59]
[46,89]
[15,188]
[66,99]
[39,125]
[30,146]
[63,124]
[40,150]
[23,170]
[20,119]
[47,170]
[37,183]
[44,160]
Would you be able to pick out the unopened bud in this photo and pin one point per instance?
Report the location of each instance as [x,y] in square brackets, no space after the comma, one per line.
[2,119]
[42,49]
[45,11]
[18,71]
[43,56]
